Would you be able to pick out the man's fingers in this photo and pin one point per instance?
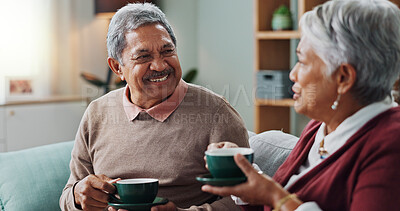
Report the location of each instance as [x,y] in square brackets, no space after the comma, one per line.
[108,179]
[244,165]
[113,209]
[228,144]
[214,146]
[89,203]
[114,180]
[93,208]
[101,183]
[170,206]
[99,196]
[223,144]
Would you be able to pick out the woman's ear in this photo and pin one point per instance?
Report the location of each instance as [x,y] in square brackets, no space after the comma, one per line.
[345,78]
[115,67]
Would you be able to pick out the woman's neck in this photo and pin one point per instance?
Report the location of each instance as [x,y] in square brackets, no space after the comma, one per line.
[347,107]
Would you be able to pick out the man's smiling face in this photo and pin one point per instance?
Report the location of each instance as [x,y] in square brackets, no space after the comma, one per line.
[151,66]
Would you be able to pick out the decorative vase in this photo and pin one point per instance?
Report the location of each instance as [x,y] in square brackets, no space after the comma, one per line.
[281,22]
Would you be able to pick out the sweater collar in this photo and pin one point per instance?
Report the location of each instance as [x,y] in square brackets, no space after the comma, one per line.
[159,112]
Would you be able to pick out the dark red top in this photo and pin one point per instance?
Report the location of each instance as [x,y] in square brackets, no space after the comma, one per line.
[364,174]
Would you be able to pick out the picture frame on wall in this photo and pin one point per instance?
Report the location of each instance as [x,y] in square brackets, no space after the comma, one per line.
[20,88]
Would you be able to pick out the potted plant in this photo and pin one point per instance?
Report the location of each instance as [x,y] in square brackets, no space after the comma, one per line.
[282,19]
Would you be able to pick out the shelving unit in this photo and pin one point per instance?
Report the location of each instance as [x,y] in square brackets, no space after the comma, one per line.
[274,50]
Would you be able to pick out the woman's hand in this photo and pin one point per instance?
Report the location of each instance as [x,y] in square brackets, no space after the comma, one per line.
[259,189]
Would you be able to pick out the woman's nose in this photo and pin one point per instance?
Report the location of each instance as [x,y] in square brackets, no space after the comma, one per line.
[293,73]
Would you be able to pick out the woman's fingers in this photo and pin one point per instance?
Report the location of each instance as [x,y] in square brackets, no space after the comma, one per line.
[245,165]
[221,191]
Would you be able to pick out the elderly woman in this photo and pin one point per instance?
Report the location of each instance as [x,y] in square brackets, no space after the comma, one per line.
[348,156]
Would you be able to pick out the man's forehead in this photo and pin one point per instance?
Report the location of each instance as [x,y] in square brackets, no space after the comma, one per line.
[143,49]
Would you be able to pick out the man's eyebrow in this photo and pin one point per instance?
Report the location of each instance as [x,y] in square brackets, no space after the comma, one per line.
[141,51]
[168,45]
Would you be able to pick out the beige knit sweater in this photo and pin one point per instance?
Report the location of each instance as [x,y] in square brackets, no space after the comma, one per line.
[109,143]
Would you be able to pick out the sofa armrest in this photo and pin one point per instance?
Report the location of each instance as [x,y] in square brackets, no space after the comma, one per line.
[271,149]
[33,179]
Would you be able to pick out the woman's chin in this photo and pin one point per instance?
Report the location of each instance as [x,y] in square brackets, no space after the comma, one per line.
[298,107]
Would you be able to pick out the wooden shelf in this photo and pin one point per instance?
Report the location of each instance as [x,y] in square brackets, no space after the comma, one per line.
[277,35]
[50,99]
[274,102]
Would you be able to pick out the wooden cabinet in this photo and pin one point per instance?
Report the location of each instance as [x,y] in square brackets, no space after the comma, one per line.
[29,124]
[275,50]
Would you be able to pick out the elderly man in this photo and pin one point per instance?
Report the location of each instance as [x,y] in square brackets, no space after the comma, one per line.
[158,126]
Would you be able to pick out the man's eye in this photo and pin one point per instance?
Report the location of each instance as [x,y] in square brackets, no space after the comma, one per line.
[168,51]
[142,58]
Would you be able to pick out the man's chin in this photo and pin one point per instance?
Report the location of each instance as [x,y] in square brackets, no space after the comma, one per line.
[161,93]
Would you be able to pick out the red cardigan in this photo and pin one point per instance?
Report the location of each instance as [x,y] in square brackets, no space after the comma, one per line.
[364,174]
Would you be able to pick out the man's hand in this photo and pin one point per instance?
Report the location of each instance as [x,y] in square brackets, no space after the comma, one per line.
[224,144]
[170,206]
[91,193]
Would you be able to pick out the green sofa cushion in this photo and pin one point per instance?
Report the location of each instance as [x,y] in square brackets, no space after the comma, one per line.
[33,179]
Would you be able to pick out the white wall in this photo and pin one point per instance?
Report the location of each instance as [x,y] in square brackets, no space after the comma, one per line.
[182,15]
[226,52]
[217,37]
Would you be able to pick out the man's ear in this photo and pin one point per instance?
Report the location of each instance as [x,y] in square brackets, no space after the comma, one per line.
[345,78]
[115,67]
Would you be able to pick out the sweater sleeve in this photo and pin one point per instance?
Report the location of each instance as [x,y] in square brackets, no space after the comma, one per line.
[80,166]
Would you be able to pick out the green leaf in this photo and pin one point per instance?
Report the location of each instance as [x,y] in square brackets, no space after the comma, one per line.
[190,75]
[282,10]
[92,79]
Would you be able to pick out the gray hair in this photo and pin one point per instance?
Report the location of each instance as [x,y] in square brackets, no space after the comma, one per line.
[131,17]
[363,33]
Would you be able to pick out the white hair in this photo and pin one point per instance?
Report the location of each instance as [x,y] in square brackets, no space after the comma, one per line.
[131,17]
[363,33]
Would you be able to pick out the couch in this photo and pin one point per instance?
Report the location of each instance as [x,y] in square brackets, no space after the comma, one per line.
[33,179]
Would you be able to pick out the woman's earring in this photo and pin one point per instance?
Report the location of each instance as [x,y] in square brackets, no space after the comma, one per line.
[336,103]
[121,75]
